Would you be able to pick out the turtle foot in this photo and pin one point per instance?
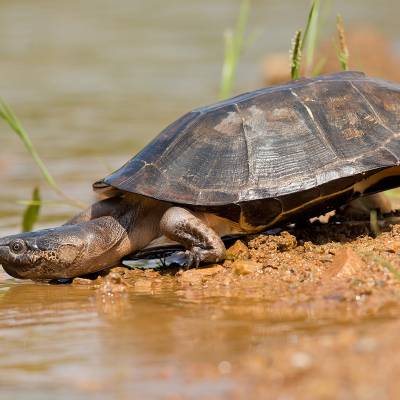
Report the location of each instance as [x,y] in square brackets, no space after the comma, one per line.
[190,258]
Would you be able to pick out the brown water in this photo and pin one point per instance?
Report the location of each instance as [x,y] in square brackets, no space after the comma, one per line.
[93,82]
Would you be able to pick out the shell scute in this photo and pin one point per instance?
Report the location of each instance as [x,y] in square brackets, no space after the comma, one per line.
[312,136]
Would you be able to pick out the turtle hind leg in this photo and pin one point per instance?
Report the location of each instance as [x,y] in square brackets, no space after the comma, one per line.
[361,207]
[201,242]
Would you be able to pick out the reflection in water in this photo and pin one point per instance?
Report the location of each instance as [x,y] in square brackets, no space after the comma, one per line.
[57,334]
[62,341]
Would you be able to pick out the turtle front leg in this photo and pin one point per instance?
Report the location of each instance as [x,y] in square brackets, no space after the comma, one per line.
[202,242]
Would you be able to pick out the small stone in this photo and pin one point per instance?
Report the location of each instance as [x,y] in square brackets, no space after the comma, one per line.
[119,270]
[286,241]
[198,275]
[238,251]
[345,263]
[244,267]
[82,282]
[114,278]
[113,283]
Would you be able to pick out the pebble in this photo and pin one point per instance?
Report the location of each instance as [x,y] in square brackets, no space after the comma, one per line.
[238,251]
[82,282]
[244,267]
[345,263]
[198,275]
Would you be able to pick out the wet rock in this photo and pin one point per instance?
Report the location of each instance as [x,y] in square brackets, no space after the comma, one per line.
[199,275]
[346,263]
[124,272]
[244,267]
[113,283]
[82,282]
[238,251]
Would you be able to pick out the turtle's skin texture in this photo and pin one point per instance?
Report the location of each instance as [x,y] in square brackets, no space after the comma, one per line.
[259,159]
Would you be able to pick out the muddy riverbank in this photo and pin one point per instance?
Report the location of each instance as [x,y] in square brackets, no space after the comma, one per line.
[310,313]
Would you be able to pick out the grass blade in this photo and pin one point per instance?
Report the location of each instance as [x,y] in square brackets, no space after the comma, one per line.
[310,36]
[373,222]
[233,48]
[10,118]
[319,65]
[31,213]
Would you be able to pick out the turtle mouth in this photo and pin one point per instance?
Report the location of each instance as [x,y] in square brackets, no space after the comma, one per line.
[12,271]
[7,263]
[45,254]
[13,265]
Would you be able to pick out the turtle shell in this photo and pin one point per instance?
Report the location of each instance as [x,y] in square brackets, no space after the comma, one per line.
[287,143]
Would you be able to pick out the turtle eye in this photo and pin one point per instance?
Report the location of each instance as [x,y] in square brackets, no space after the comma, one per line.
[17,246]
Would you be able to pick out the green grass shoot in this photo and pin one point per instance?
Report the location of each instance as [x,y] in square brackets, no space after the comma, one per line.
[383,262]
[373,222]
[10,118]
[234,41]
[318,67]
[306,43]
[31,213]
[296,56]
[310,37]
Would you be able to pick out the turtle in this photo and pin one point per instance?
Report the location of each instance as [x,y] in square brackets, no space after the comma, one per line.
[264,158]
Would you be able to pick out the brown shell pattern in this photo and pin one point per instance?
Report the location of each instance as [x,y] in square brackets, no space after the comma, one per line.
[273,143]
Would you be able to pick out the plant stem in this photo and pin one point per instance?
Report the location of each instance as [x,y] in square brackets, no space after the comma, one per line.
[10,118]
[233,48]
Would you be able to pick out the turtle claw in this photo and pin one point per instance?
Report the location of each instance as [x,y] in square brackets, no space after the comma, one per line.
[192,258]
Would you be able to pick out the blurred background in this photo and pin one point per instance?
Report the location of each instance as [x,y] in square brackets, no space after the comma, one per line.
[94,81]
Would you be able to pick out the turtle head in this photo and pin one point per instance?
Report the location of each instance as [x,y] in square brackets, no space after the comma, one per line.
[44,254]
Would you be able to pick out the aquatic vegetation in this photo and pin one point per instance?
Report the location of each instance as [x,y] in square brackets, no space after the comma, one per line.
[10,118]
[234,42]
[31,213]
[307,41]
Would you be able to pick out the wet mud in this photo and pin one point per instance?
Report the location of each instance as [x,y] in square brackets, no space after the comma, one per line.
[315,311]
